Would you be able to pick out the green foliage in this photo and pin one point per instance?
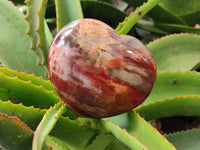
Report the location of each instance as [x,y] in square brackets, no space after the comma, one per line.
[174,16]
[130,21]
[186,139]
[171,84]
[178,51]
[32,115]
[14,49]
[25,91]
[38,31]
[67,11]
[93,9]
[48,122]
[14,133]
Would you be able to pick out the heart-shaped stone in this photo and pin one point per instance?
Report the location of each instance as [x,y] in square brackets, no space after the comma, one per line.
[97,72]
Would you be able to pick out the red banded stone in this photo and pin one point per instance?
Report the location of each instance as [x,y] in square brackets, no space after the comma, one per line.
[97,72]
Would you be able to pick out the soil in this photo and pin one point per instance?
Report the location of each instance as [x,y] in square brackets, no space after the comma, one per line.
[174,124]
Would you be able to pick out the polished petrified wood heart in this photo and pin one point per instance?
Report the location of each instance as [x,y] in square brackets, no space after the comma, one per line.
[97,72]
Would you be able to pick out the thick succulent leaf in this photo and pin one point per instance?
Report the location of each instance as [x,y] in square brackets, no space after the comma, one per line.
[137,126]
[46,125]
[177,12]
[178,51]
[120,134]
[14,134]
[70,133]
[170,84]
[117,145]
[26,92]
[102,141]
[56,145]
[17,96]
[67,11]
[36,27]
[158,13]
[177,28]
[93,9]
[27,77]
[189,11]
[177,106]
[131,20]
[144,132]
[192,18]
[66,133]
[14,43]
[29,115]
[185,140]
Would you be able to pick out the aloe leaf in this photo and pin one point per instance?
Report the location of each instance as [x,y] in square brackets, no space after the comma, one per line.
[70,132]
[137,126]
[18,97]
[55,144]
[67,11]
[144,131]
[120,134]
[185,140]
[192,18]
[178,51]
[117,145]
[189,11]
[29,115]
[27,77]
[14,133]
[27,92]
[66,133]
[131,20]
[177,28]
[46,125]
[93,9]
[14,45]
[102,141]
[170,84]
[177,106]
[44,38]
[123,136]
[175,12]
[36,27]
[158,13]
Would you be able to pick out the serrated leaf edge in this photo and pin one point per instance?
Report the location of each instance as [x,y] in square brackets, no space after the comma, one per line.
[43,128]
[170,35]
[29,82]
[14,73]
[16,120]
[35,30]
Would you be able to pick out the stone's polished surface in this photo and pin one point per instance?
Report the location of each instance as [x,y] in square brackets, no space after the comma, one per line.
[97,72]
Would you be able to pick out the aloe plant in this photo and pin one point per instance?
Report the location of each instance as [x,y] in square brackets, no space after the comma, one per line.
[33,116]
